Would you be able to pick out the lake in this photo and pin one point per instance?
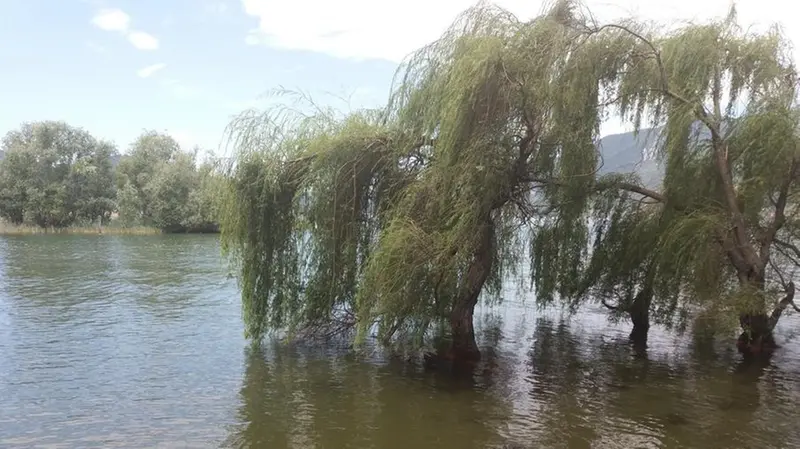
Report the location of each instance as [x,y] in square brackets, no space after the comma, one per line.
[137,342]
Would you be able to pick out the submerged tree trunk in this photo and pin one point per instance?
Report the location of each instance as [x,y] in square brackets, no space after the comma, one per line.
[757,326]
[756,336]
[464,346]
[640,316]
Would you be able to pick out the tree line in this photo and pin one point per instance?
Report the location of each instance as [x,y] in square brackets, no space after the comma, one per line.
[385,223]
[54,175]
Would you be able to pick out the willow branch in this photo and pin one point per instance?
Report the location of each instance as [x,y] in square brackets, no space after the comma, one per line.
[626,186]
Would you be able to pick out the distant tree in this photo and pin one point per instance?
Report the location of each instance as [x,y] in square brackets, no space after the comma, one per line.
[167,192]
[54,174]
[161,186]
[129,205]
[204,200]
[91,183]
[146,155]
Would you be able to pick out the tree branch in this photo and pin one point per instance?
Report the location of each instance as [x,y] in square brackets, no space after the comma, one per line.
[626,186]
[652,194]
[788,246]
[787,301]
[779,219]
[792,259]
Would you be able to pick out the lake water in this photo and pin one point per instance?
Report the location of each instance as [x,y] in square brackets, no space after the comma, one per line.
[137,342]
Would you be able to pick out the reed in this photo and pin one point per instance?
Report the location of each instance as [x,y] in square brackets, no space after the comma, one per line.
[11,229]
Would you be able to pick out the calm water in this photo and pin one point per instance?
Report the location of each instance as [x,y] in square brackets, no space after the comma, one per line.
[137,342]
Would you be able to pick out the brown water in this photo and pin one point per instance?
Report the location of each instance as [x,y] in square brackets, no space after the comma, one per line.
[137,342]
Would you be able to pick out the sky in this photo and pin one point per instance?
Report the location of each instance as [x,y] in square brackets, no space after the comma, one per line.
[186,67]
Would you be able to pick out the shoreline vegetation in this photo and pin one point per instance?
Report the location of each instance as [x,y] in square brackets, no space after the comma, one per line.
[7,229]
[56,178]
[14,230]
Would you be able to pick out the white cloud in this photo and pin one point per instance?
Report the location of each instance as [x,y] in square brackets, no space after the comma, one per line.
[146,72]
[111,20]
[119,21]
[360,29]
[143,41]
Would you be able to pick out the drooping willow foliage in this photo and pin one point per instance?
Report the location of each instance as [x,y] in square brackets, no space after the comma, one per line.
[486,159]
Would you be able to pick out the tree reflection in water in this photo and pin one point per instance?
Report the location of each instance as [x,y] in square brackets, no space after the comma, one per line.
[569,389]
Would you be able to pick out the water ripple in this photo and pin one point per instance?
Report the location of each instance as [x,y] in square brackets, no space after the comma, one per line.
[137,342]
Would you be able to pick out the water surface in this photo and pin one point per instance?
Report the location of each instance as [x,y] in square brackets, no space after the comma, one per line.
[137,342]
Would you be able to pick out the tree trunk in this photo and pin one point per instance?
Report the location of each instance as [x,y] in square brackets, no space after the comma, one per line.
[757,326]
[756,337]
[464,346]
[640,316]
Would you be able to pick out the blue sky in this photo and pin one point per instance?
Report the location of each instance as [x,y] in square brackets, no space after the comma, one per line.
[116,67]
[200,72]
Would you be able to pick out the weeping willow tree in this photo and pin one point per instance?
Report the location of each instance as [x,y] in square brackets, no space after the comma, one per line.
[396,220]
[719,236]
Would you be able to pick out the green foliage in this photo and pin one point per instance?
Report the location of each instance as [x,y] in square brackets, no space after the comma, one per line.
[719,94]
[129,206]
[167,191]
[147,155]
[301,217]
[203,207]
[162,186]
[53,175]
[383,221]
[486,152]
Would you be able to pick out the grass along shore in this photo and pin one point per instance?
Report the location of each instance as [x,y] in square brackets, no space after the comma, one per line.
[113,229]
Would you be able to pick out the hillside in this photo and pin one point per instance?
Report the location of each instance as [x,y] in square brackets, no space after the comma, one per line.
[627,152]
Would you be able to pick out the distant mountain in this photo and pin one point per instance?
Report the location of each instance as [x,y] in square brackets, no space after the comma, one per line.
[632,153]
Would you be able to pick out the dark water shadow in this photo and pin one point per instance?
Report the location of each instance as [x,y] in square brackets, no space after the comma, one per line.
[569,388]
[300,397]
[586,391]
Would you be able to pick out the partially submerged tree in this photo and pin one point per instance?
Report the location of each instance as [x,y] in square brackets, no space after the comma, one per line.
[726,101]
[402,218]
